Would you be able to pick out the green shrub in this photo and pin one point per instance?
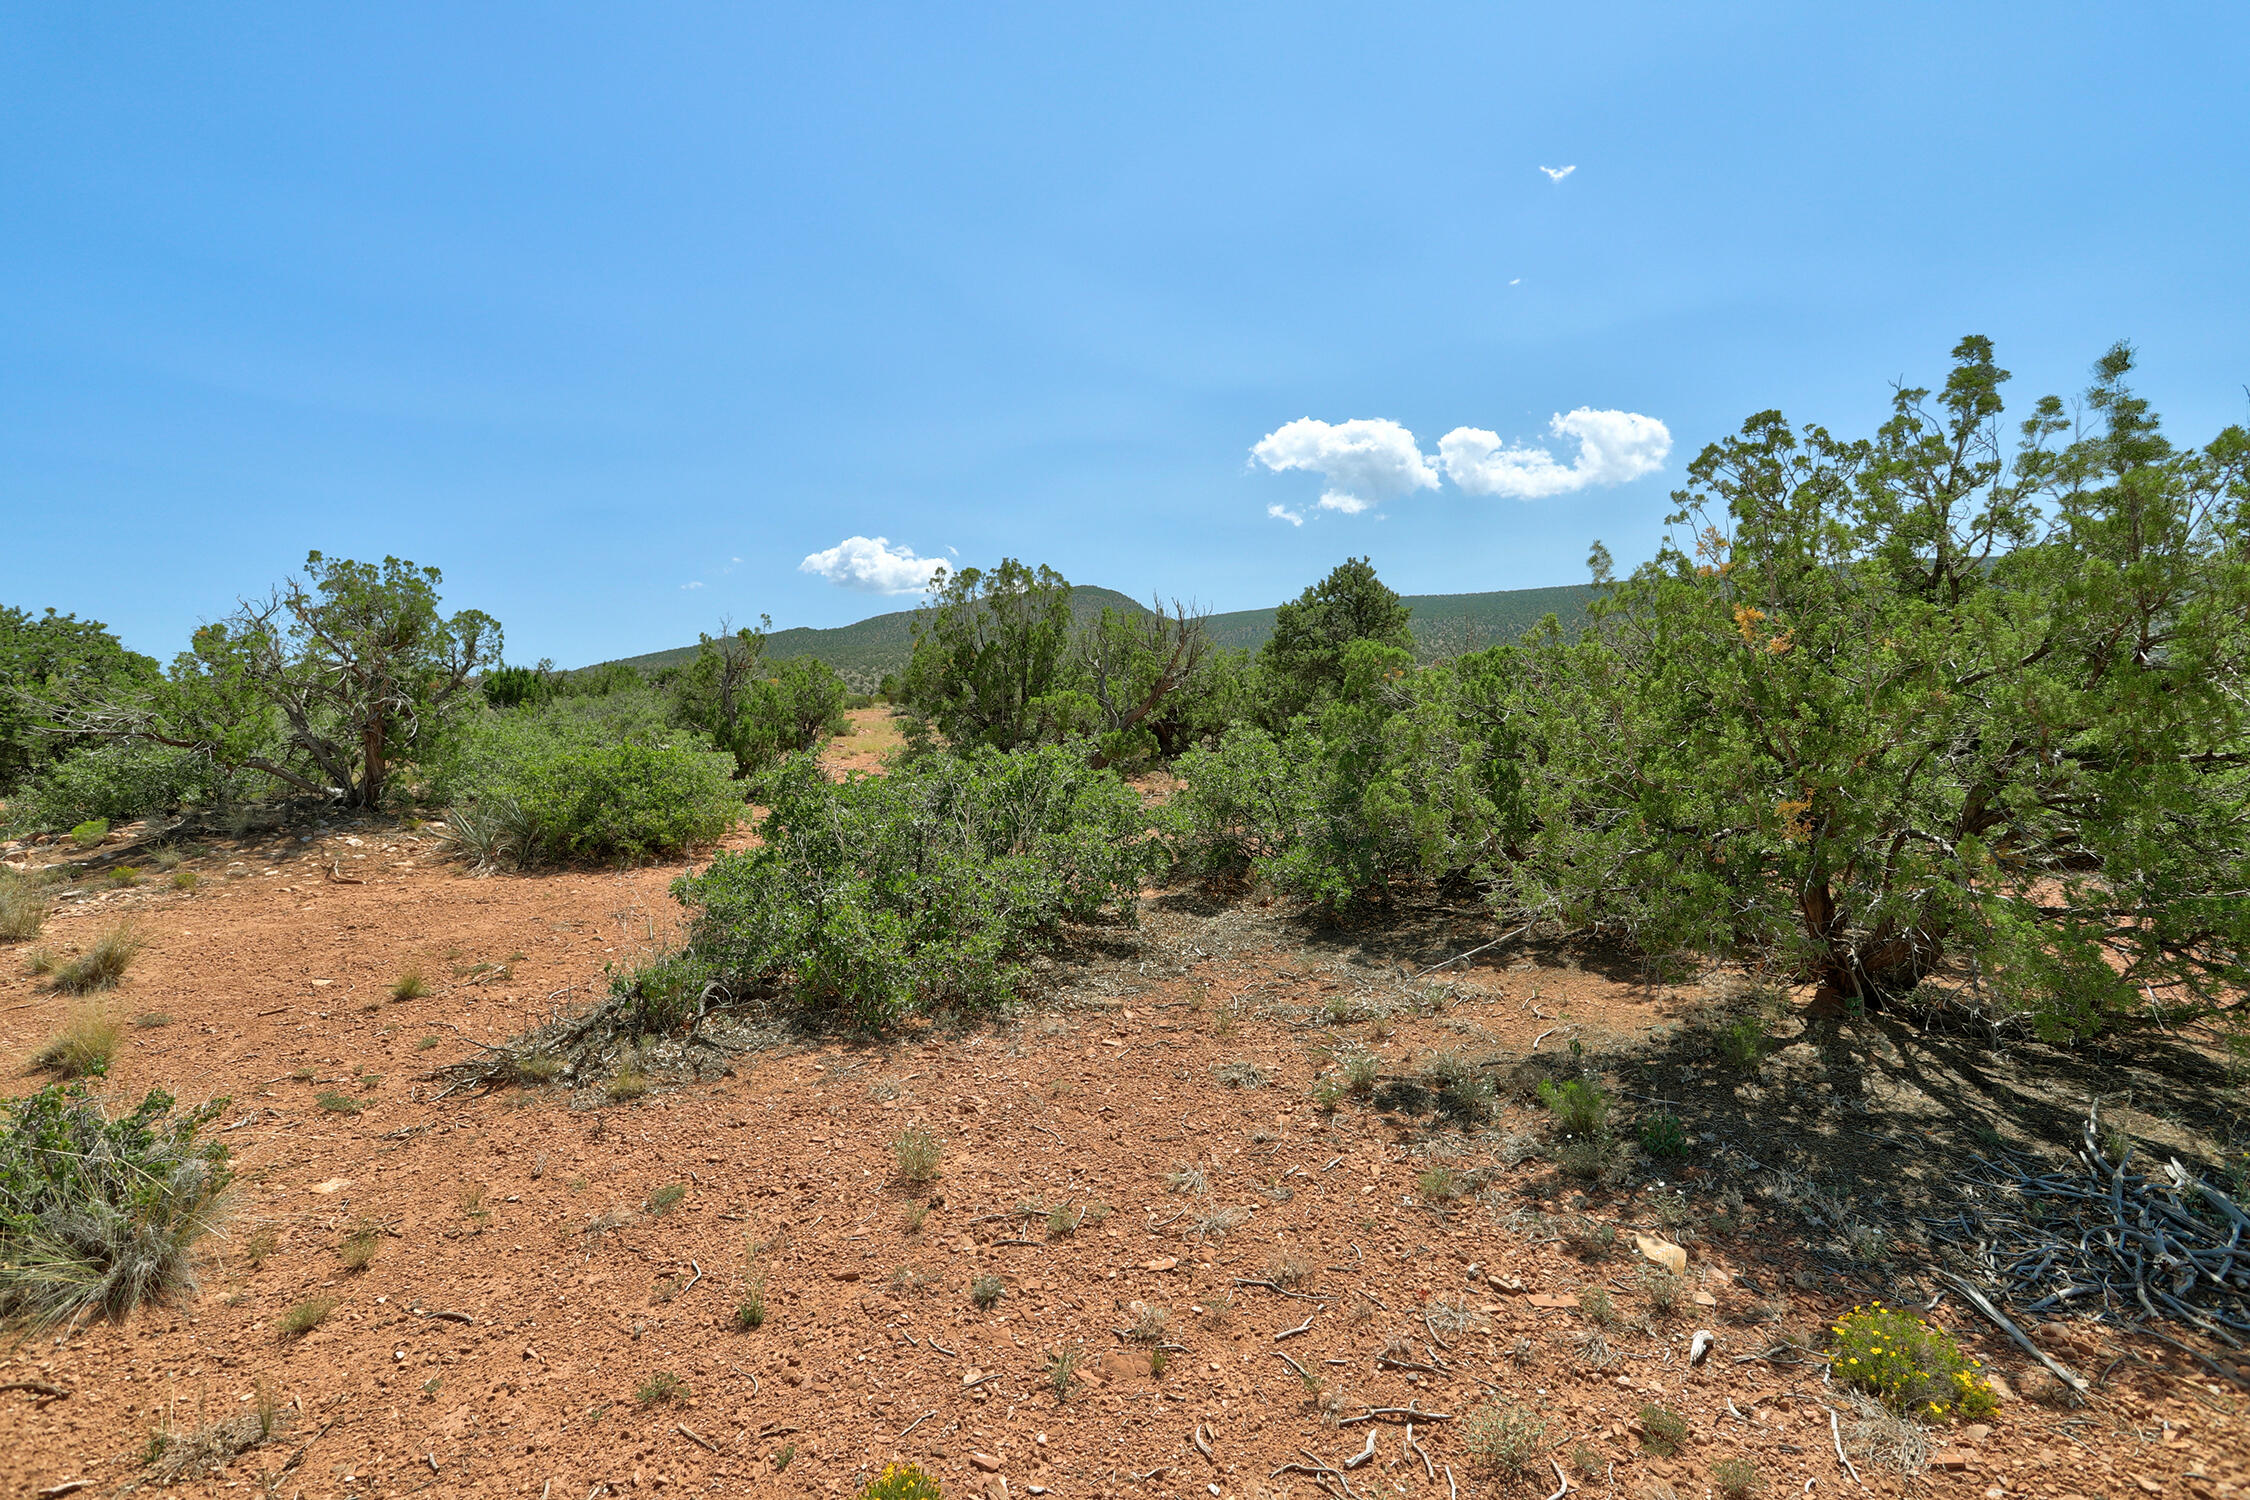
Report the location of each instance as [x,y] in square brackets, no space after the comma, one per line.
[109,784]
[1742,1043]
[1662,1430]
[1581,1108]
[98,1212]
[659,1388]
[622,802]
[1505,1439]
[1909,1364]
[900,1482]
[880,897]
[1736,1478]
[1663,1136]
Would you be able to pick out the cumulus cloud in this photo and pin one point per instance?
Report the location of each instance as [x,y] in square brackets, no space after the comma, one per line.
[1365,461]
[1613,447]
[1284,513]
[1557,174]
[874,565]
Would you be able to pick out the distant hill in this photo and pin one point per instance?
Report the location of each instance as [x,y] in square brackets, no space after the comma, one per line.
[1444,625]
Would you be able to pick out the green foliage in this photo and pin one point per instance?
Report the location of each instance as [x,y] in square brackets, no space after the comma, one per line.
[1303,663]
[1909,1364]
[1504,1438]
[750,1312]
[666,1198]
[1663,1136]
[100,1212]
[1736,1478]
[338,1104]
[1581,1108]
[326,686]
[90,833]
[1742,1043]
[1663,1431]
[918,1154]
[1893,701]
[755,709]
[304,1317]
[660,1388]
[988,648]
[900,1482]
[1401,775]
[985,1290]
[878,897]
[39,655]
[110,783]
[599,778]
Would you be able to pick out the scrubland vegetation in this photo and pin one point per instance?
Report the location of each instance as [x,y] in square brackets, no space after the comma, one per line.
[1947,721]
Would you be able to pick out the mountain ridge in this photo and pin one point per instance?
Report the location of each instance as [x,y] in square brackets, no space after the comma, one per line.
[1443,625]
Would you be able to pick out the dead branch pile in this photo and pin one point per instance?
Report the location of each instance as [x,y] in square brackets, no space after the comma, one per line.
[2133,1246]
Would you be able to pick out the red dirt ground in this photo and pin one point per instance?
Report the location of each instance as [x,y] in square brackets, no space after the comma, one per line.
[495,1346]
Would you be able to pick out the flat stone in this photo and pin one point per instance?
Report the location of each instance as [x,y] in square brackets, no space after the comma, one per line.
[1666,1254]
[1975,1432]
[1552,1299]
[986,1462]
[1163,1263]
[1704,1299]
[1951,1458]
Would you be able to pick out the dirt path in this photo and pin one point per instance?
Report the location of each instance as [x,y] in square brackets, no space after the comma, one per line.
[529,1286]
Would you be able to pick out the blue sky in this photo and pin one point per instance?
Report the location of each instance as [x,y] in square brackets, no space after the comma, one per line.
[618,315]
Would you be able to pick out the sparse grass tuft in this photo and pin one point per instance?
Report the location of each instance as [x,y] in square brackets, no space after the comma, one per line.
[338,1104]
[1438,1184]
[1743,1044]
[409,985]
[1736,1478]
[1360,1071]
[428,1042]
[39,963]
[151,1020]
[1061,1222]
[1062,1371]
[660,1388]
[305,1317]
[1505,1439]
[1145,1323]
[750,1312]
[1663,1290]
[185,880]
[1664,1137]
[664,1199]
[1241,1075]
[918,1154]
[1288,1269]
[83,1048]
[358,1249]
[1188,1178]
[1663,1431]
[100,966]
[1598,1307]
[628,1083]
[985,1290]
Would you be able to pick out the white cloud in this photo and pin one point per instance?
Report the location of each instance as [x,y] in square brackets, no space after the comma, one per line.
[1613,447]
[874,565]
[1284,513]
[698,583]
[1365,461]
[1557,174]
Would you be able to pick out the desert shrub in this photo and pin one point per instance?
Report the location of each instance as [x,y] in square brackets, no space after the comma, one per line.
[115,783]
[23,908]
[1404,775]
[900,1482]
[750,1312]
[304,1317]
[1662,1430]
[985,1290]
[1438,1184]
[621,802]
[1505,1438]
[1663,1136]
[84,1046]
[102,964]
[1909,1364]
[660,1388]
[102,1212]
[878,897]
[917,1153]
[1742,1043]
[1736,1478]
[1581,1108]
[410,985]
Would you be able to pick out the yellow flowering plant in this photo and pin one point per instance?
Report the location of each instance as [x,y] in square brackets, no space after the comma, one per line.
[1909,1364]
[900,1482]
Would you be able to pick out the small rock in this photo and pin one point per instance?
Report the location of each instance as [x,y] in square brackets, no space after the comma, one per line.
[1704,1299]
[1975,1432]
[1666,1254]
[2000,1387]
[986,1462]
[1950,1458]
[1163,1263]
[2148,1484]
[1699,1347]
[971,1375]
[1552,1299]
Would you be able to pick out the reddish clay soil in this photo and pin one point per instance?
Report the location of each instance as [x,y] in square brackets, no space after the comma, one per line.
[529,1288]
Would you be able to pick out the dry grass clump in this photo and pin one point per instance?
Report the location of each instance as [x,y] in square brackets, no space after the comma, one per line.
[23,908]
[100,966]
[83,1048]
[1288,1269]
[1145,1323]
[410,985]
[358,1249]
[205,1452]
[305,1317]
[917,1153]
[1188,1178]
[1505,1439]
